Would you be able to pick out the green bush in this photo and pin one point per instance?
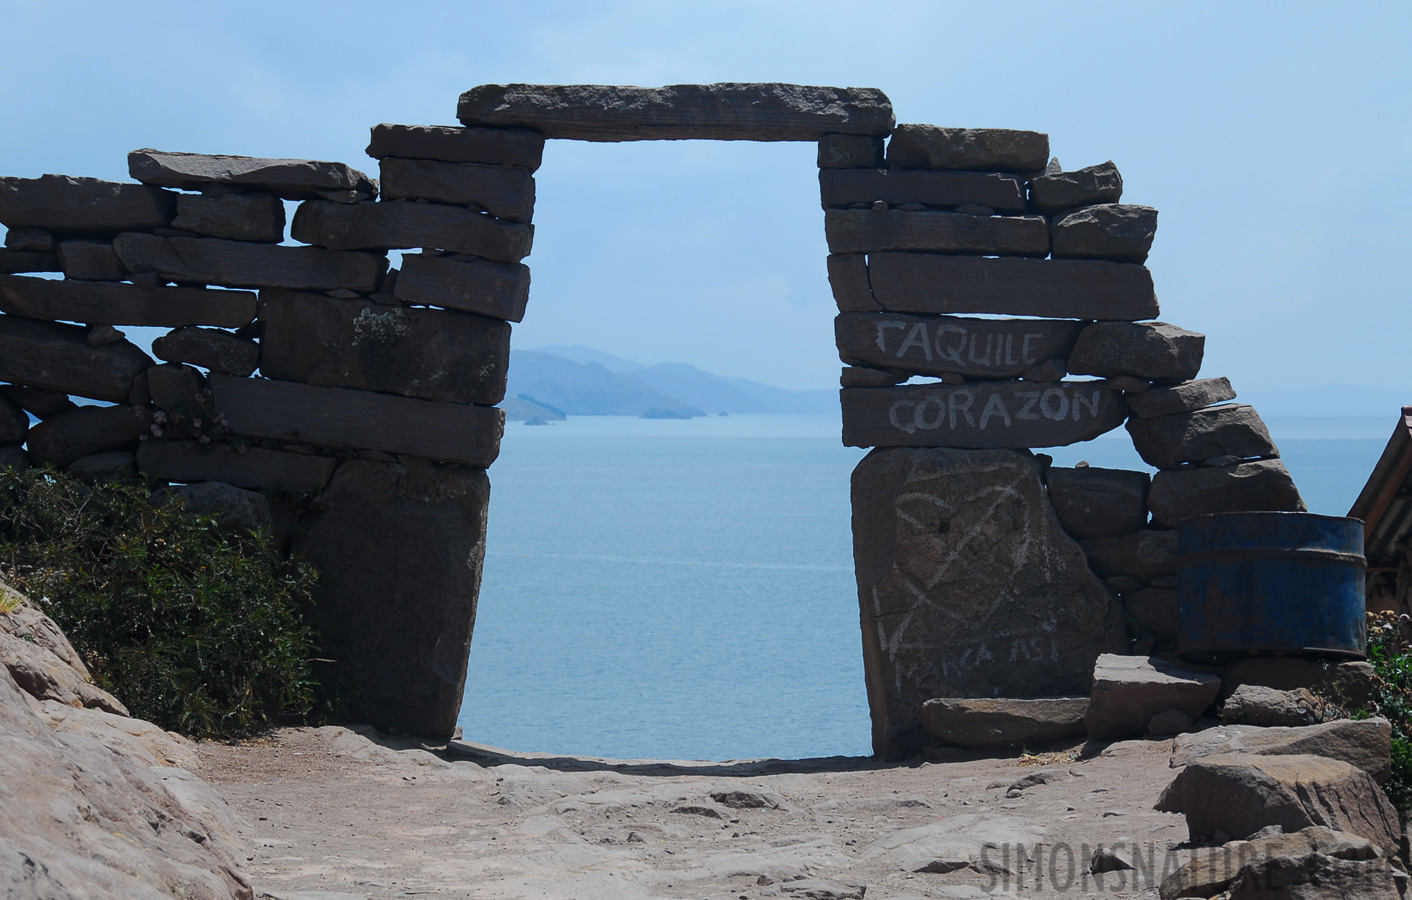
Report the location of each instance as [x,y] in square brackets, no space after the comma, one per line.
[195,627]
[1390,654]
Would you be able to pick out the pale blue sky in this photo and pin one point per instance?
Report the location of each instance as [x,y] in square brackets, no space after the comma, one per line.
[1275,139]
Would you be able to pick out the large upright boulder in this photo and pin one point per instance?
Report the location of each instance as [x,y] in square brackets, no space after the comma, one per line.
[400,549]
[968,586]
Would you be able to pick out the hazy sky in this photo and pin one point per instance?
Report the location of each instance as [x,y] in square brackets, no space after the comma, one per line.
[1275,139]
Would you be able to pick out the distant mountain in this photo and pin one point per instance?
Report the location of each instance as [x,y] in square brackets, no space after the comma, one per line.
[581,389]
[581,354]
[710,392]
[822,400]
[1330,400]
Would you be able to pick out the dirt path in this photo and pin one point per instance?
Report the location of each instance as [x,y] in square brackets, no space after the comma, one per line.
[335,815]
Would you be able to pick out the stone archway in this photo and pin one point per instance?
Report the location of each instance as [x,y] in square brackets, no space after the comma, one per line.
[377,388]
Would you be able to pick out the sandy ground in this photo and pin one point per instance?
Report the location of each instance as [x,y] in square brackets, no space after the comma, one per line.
[335,814]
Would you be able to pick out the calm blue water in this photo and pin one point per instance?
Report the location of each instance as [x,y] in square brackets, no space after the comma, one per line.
[684,589]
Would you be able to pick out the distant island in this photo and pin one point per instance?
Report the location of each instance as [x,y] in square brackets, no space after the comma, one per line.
[551,383]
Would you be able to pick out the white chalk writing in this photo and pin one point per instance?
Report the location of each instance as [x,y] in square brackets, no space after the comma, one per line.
[955,343]
[952,410]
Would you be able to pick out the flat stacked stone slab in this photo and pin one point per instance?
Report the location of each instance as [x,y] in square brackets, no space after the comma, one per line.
[241,264]
[998,722]
[934,345]
[124,304]
[1155,351]
[15,262]
[1165,442]
[719,112]
[219,351]
[1120,232]
[58,358]
[402,547]
[64,205]
[484,286]
[1082,187]
[37,401]
[1146,554]
[1191,491]
[840,188]
[433,354]
[448,143]
[233,217]
[86,430]
[871,231]
[506,192]
[33,240]
[384,226]
[90,261]
[339,417]
[850,151]
[848,277]
[292,179]
[986,149]
[984,415]
[1096,503]
[1066,289]
[254,468]
[1129,690]
[968,587]
[1185,397]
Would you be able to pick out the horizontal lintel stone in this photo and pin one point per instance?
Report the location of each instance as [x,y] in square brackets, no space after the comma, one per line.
[485,286]
[840,188]
[872,231]
[241,264]
[505,192]
[1066,289]
[984,415]
[403,225]
[721,112]
[101,303]
[984,149]
[292,179]
[450,143]
[254,468]
[339,417]
[935,345]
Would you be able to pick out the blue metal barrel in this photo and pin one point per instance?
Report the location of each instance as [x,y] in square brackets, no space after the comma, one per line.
[1270,584]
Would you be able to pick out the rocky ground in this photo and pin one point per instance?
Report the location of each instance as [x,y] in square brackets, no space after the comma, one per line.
[335,814]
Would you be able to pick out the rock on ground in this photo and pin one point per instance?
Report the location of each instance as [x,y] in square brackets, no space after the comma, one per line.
[998,722]
[1308,856]
[1365,743]
[1129,690]
[1252,704]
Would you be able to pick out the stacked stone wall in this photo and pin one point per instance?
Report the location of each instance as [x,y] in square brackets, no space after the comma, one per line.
[990,303]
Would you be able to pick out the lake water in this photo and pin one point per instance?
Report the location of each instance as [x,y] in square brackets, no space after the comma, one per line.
[684,588]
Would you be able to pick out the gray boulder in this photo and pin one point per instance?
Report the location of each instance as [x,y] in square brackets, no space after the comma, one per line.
[232,507]
[235,217]
[1181,494]
[968,586]
[209,348]
[1082,187]
[1144,555]
[1129,690]
[1184,397]
[62,439]
[1365,743]
[1112,231]
[1255,705]
[1349,683]
[292,179]
[1094,503]
[1241,793]
[57,357]
[1321,861]
[1001,722]
[1165,442]
[1154,351]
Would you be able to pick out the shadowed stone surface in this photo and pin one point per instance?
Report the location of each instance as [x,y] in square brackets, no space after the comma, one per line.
[1115,231]
[1155,351]
[867,231]
[57,357]
[86,430]
[1002,723]
[1350,683]
[506,192]
[850,151]
[1082,187]
[209,348]
[1241,793]
[124,304]
[255,468]
[15,262]
[1153,612]
[1181,494]
[240,264]
[292,179]
[1145,554]
[383,226]
[14,422]
[968,587]
[1185,397]
[842,187]
[403,548]
[484,286]
[720,112]
[234,217]
[447,143]
[1164,442]
[64,205]
[434,354]
[1093,502]
[90,261]
[848,277]
[1000,149]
